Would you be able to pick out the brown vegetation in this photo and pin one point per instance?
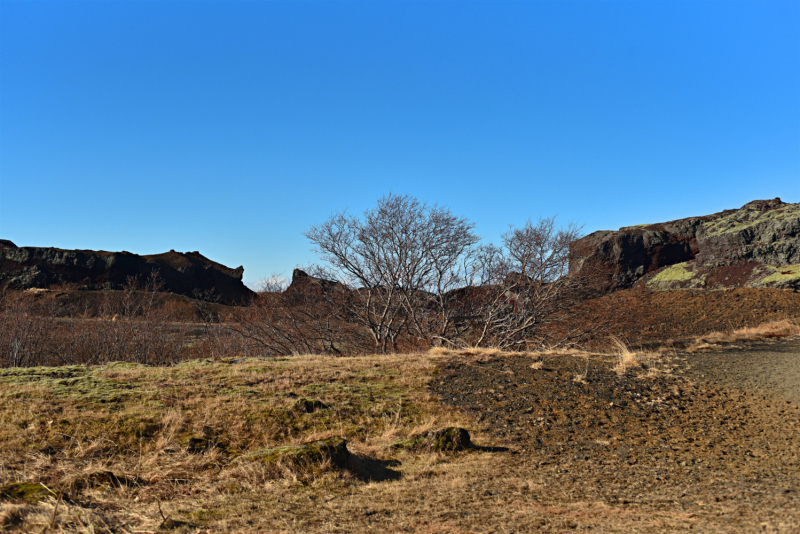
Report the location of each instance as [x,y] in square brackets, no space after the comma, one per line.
[133,325]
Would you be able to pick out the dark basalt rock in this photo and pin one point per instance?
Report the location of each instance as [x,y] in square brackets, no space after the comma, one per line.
[190,274]
[305,405]
[751,247]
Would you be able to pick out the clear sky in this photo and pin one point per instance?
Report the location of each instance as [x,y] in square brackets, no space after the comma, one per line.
[230,127]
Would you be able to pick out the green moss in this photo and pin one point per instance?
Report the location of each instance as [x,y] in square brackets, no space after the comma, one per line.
[26,492]
[787,273]
[673,273]
[742,219]
[78,382]
[306,454]
[446,439]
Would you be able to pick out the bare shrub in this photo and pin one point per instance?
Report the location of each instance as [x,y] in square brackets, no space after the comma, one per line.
[22,331]
[303,320]
[130,326]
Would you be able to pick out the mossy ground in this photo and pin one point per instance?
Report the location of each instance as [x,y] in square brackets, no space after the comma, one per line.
[172,434]
[781,275]
[678,275]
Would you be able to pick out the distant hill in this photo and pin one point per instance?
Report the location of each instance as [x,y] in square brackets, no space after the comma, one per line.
[190,274]
[757,245]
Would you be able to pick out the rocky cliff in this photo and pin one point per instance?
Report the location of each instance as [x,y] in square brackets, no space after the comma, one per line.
[190,273]
[757,245]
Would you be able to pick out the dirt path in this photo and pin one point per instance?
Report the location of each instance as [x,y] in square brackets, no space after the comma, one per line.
[771,368]
[711,442]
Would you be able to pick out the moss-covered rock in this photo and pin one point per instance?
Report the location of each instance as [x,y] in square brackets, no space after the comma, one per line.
[712,251]
[450,438]
[28,492]
[305,405]
[787,275]
[200,443]
[333,450]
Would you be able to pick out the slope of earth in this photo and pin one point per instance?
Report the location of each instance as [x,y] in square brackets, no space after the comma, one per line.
[73,303]
[640,316]
[661,451]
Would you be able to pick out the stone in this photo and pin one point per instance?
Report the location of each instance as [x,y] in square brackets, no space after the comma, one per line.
[305,405]
[333,450]
[190,274]
[445,439]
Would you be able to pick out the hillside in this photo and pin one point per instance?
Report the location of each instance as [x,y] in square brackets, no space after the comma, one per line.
[755,246]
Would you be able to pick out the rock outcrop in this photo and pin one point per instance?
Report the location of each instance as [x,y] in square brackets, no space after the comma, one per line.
[755,246]
[190,274]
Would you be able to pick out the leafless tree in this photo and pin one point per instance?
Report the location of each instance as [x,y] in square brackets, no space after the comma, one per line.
[396,268]
[526,285]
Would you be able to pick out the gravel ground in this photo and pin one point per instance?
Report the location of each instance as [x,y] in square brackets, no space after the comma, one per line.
[711,440]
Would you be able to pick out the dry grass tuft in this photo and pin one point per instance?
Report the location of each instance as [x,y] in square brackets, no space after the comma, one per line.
[628,359]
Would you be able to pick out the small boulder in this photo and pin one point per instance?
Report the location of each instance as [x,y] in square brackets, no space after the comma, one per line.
[200,443]
[450,438]
[107,479]
[333,450]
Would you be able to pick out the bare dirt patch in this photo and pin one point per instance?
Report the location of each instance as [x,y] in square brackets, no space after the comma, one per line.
[668,452]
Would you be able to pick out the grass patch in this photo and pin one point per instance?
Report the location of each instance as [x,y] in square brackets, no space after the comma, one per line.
[768,330]
[176,432]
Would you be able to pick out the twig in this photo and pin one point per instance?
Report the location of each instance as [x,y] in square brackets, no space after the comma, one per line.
[55,509]
[159,510]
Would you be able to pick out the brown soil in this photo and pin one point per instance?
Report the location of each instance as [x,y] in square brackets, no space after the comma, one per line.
[692,446]
[640,316]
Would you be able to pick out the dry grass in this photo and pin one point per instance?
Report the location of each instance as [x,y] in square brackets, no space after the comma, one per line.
[64,427]
[768,330]
[627,359]
[67,426]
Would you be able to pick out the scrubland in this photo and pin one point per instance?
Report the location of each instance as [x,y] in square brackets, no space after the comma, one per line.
[627,440]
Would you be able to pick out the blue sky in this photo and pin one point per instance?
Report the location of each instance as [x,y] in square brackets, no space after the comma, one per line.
[230,127]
